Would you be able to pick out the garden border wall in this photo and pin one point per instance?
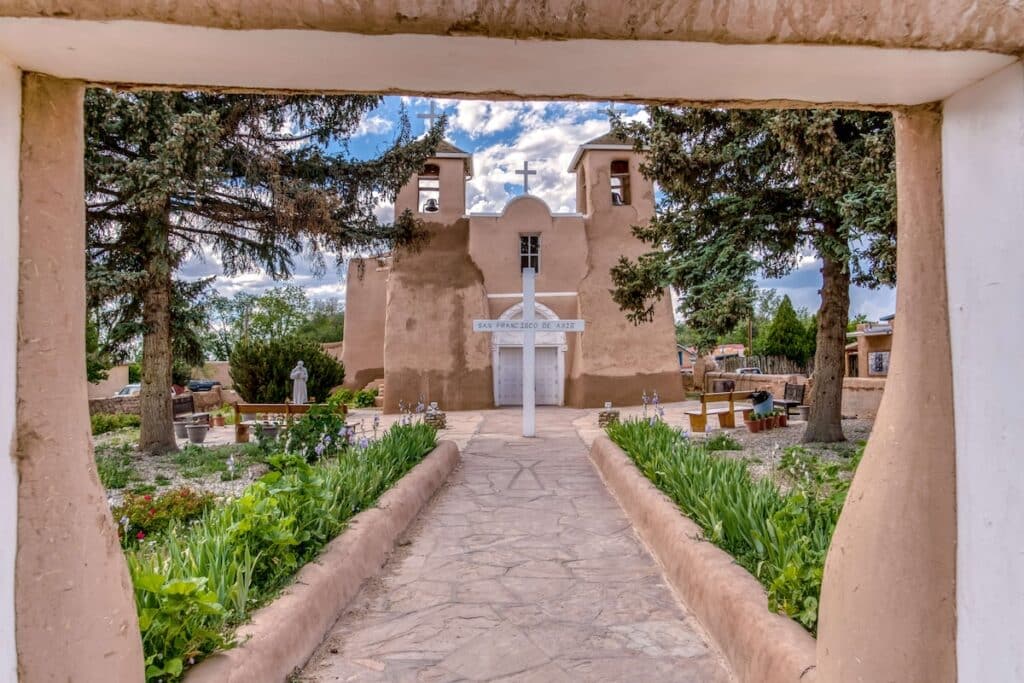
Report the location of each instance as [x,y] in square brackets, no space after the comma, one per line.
[760,646]
[283,635]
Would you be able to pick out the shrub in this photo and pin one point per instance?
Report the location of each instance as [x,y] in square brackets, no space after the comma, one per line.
[140,516]
[722,442]
[261,371]
[196,582]
[115,470]
[781,538]
[108,422]
[134,373]
[365,398]
[320,433]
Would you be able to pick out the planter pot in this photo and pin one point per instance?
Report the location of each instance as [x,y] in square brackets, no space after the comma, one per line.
[747,414]
[764,407]
[180,430]
[804,412]
[753,425]
[269,431]
[218,420]
[773,421]
[783,420]
[197,433]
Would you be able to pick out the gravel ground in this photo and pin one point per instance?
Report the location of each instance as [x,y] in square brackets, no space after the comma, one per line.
[764,449]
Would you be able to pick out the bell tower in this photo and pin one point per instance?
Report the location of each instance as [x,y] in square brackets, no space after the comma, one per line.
[437,194]
[608,177]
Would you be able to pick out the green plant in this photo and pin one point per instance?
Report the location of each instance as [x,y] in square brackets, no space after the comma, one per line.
[722,442]
[197,581]
[140,516]
[320,433]
[365,398]
[115,470]
[108,422]
[161,480]
[781,538]
[261,370]
[346,396]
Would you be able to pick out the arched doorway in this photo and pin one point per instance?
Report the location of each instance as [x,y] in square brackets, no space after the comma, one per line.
[549,363]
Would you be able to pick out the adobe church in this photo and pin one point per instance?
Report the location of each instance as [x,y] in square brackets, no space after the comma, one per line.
[409,317]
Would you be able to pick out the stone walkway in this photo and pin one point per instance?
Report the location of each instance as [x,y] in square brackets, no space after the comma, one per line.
[523,568]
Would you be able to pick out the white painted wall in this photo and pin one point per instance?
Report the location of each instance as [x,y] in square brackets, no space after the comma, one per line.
[10,143]
[983,185]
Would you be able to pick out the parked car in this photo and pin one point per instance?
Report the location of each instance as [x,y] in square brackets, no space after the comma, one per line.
[202,384]
[129,390]
[748,371]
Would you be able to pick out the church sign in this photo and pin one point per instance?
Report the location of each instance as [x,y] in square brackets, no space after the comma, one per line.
[521,325]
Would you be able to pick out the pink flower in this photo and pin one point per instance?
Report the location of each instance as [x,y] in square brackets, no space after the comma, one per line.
[141,535]
[147,498]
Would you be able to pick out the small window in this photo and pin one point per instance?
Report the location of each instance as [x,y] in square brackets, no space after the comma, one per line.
[529,252]
[620,182]
[429,183]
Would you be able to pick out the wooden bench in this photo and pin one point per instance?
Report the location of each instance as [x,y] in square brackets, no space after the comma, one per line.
[726,416]
[792,396]
[286,409]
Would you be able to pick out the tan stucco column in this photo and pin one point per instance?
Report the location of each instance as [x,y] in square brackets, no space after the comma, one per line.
[888,610]
[75,613]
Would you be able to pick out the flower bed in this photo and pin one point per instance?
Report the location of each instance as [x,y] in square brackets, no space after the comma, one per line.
[779,537]
[194,584]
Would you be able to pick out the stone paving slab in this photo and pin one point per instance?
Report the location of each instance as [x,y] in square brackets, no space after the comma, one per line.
[523,568]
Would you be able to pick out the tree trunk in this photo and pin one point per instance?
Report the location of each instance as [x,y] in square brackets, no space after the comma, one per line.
[826,421]
[157,434]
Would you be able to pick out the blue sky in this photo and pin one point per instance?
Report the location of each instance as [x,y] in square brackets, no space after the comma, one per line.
[501,135]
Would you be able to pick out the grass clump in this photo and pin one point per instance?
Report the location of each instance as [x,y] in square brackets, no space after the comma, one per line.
[722,442]
[779,537]
[108,422]
[194,583]
[116,469]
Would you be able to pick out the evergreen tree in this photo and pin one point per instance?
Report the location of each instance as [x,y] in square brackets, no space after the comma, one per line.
[251,180]
[786,335]
[748,191]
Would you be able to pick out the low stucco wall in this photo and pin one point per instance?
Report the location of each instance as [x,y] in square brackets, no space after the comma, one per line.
[862,397]
[773,383]
[122,404]
[282,636]
[760,646]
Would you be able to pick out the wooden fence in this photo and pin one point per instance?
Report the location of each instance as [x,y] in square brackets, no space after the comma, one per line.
[769,365]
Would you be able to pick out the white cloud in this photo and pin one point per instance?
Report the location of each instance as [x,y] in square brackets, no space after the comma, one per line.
[373,125]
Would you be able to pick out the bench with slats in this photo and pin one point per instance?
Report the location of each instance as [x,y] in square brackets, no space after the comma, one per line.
[286,409]
[726,415]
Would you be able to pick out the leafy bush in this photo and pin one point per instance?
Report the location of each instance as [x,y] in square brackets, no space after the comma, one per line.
[115,470]
[781,538]
[261,371]
[365,398]
[108,422]
[346,396]
[134,373]
[320,433]
[196,582]
[140,516]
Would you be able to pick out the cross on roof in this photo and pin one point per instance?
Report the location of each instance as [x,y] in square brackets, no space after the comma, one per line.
[432,116]
[526,173]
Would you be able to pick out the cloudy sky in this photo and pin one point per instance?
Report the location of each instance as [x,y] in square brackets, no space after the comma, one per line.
[501,135]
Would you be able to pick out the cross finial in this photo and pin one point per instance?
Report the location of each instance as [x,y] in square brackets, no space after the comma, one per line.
[432,116]
[526,173]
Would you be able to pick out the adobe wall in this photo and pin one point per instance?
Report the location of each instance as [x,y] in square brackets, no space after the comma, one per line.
[888,599]
[219,370]
[73,598]
[335,350]
[430,349]
[862,396]
[117,377]
[776,384]
[10,144]
[868,344]
[994,25]
[127,405]
[615,360]
[365,302]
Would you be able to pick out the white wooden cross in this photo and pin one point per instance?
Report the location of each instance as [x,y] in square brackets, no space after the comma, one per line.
[526,173]
[529,326]
[431,116]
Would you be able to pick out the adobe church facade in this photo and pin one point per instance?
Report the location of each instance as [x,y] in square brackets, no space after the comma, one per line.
[409,318]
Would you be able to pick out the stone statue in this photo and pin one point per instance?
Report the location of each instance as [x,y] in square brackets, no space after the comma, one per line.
[300,375]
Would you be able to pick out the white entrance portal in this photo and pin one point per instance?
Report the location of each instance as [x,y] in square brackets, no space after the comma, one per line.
[549,363]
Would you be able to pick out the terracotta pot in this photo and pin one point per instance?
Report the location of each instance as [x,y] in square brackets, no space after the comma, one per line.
[218,420]
[753,425]
[783,420]
[197,432]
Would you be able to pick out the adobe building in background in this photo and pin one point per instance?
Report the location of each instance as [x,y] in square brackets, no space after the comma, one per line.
[409,319]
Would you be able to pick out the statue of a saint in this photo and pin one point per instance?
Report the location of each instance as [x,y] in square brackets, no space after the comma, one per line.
[299,378]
